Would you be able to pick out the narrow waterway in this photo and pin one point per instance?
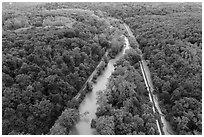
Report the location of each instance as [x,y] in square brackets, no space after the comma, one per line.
[89,106]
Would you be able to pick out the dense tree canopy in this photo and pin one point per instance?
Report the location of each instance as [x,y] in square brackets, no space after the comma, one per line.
[124,106]
[50,49]
[170,38]
[45,63]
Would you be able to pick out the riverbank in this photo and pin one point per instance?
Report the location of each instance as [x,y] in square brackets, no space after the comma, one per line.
[89,105]
[90,78]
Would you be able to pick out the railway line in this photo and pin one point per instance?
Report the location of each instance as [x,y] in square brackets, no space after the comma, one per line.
[163,126]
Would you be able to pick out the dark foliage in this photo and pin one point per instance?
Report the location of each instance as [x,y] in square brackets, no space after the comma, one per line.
[44,67]
[49,50]
[124,107]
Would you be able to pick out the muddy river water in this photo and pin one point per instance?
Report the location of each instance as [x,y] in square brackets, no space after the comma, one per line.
[88,107]
[89,104]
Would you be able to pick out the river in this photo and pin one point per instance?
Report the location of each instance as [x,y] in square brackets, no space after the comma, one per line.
[88,107]
[89,104]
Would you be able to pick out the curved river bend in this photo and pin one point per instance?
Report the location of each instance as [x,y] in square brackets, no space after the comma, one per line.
[89,104]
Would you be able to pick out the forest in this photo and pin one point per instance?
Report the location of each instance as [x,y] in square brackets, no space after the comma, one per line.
[129,112]
[49,50]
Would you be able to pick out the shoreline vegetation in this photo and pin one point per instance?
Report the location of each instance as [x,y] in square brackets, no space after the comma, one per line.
[49,51]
